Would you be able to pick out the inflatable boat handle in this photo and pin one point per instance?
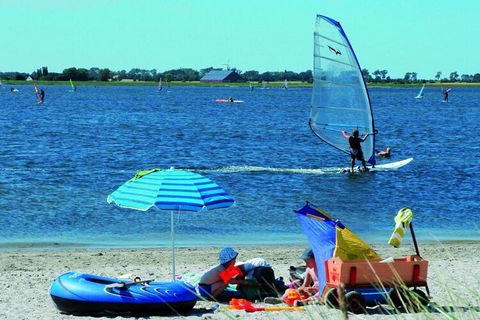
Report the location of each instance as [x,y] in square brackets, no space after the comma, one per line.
[124,285]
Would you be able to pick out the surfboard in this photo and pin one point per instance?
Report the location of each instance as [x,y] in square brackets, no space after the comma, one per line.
[227,100]
[382,167]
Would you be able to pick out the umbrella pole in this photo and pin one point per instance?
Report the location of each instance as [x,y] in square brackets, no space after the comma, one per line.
[172,231]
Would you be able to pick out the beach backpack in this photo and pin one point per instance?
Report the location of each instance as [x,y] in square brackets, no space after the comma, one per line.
[265,285]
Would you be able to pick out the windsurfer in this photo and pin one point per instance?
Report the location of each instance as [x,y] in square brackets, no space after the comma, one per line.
[355,148]
[445,94]
[231,99]
[42,95]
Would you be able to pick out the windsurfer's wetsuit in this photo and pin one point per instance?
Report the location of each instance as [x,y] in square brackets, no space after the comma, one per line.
[42,95]
[355,148]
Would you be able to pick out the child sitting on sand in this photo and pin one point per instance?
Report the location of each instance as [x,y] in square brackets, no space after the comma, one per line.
[309,286]
[308,290]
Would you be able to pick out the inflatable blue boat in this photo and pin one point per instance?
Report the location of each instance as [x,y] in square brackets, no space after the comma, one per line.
[79,293]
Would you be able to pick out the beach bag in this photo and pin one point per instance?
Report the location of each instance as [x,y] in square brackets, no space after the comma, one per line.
[262,285]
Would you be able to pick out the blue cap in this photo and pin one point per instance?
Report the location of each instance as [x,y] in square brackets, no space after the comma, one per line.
[307,254]
[227,254]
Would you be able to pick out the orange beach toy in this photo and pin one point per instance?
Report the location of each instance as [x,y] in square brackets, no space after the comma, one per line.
[242,304]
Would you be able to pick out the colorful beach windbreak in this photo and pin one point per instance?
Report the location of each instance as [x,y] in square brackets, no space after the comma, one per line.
[328,238]
[340,99]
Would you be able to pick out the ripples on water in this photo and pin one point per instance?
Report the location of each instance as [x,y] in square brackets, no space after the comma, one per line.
[60,160]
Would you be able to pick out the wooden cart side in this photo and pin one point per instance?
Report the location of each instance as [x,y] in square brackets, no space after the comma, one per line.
[410,271]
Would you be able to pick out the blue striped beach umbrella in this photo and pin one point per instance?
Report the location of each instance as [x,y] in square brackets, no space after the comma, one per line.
[171,190]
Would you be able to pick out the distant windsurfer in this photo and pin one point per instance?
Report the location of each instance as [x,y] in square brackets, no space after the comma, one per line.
[231,99]
[445,94]
[42,95]
[355,148]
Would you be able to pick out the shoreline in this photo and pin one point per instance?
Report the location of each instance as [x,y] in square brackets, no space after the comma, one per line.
[61,246]
[258,85]
[29,274]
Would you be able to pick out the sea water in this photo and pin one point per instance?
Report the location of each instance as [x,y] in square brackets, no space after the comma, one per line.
[60,160]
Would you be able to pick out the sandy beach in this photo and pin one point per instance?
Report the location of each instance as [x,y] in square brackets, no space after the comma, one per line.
[454,278]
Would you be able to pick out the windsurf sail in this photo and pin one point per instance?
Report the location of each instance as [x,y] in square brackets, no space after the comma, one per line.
[74,88]
[285,84]
[37,92]
[340,99]
[420,94]
[160,84]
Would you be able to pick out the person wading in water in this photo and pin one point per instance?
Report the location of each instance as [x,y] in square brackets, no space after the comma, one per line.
[355,147]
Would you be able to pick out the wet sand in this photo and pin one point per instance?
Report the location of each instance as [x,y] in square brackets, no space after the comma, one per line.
[454,277]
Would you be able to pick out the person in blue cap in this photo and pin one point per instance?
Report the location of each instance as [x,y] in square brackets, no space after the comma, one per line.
[213,284]
[308,290]
[310,282]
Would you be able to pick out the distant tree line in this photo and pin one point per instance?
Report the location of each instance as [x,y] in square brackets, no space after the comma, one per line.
[183,74]
[380,76]
[187,74]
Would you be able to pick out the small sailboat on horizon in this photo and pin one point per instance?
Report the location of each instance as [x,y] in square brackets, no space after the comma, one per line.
[73,88]
[420,94]
[39,93]
[160,87]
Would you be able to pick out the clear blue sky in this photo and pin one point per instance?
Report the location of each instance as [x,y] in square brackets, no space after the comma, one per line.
[266,35]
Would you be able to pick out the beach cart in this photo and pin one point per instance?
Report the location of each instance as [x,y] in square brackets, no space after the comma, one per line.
[371,282]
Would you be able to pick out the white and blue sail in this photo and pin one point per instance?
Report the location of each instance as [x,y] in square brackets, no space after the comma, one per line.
[72,86]
[160,87]
[420,94]
[340,99]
